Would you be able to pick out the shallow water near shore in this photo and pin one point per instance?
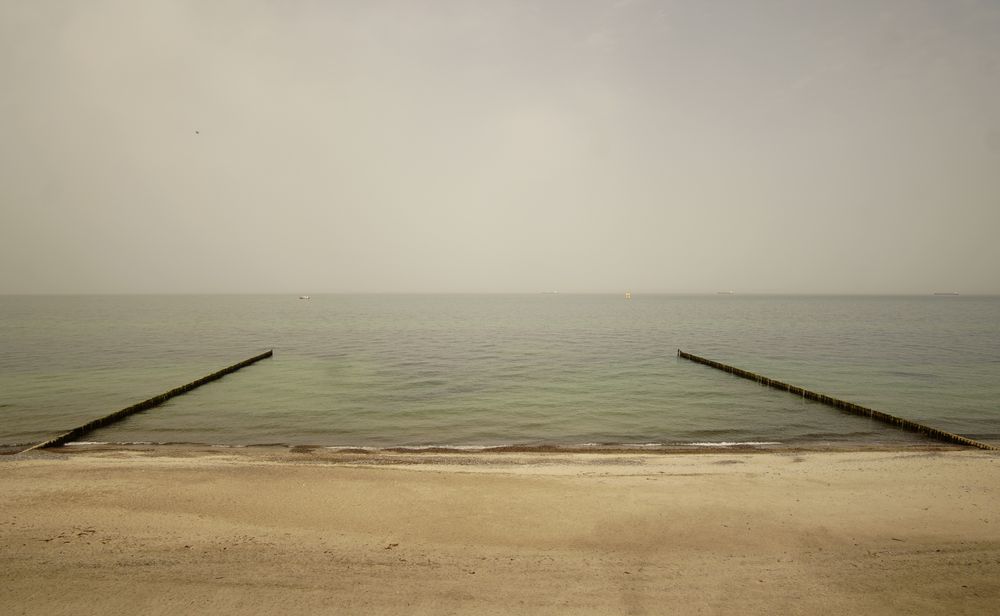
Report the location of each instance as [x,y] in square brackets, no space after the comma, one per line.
[489,370]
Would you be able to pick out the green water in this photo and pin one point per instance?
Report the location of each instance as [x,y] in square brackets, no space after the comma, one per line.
[479,370]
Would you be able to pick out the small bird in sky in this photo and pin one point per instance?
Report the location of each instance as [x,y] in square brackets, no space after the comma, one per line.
[197,132]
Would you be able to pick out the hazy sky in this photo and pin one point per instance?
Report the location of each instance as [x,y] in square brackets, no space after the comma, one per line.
[307,147]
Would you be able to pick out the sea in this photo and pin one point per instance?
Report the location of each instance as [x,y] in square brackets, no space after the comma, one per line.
[546,370]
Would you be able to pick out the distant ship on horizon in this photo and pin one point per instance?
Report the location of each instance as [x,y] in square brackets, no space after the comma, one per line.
[724,293]
[946,293]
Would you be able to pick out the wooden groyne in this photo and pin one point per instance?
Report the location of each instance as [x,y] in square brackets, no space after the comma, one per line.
[76,433]
[850,407]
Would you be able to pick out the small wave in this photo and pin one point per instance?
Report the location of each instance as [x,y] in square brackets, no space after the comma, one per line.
[123,443]
[733,443]
[444,447]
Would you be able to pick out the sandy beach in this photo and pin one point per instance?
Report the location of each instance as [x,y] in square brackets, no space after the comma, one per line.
[235,531]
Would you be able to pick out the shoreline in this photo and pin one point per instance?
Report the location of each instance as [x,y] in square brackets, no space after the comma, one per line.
[596,448]
[178,528]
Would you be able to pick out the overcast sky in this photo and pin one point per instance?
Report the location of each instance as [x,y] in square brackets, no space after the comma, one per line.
[500,146]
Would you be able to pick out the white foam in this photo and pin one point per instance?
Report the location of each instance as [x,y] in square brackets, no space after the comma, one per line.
[733,443]
[455,447]
[636,445]
[415,447]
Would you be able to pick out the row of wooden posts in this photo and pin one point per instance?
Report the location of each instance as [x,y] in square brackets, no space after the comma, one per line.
[76,433]
[850,407]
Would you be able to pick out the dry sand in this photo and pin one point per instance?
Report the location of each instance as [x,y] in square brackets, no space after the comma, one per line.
[170,531]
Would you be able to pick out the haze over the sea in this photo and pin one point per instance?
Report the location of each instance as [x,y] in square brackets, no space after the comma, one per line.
[172,146]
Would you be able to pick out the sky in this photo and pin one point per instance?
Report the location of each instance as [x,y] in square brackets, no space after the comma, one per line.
[499,146]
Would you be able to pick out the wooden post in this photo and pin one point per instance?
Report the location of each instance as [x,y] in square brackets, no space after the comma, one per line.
[76,433]
[850,407]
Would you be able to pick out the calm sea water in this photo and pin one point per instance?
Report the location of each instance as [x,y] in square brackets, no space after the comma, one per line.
[480,370]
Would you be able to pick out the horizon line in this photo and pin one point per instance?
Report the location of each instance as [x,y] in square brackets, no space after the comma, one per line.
[621,292]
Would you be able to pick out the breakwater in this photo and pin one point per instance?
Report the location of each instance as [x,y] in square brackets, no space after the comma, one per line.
[850,407]
[80,431]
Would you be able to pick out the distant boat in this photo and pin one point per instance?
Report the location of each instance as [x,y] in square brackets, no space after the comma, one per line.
[304,297]
[948,293]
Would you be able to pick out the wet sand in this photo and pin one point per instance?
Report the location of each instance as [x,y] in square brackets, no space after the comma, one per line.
[234,531]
